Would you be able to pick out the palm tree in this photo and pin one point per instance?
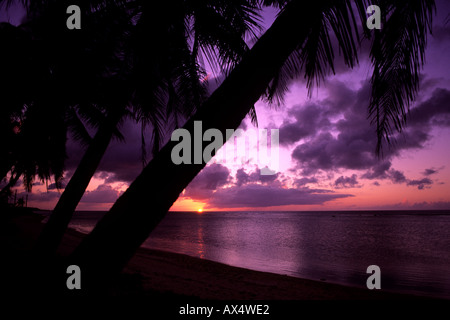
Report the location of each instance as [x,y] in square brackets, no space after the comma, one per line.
[160,79]
[34,118]
[298,41]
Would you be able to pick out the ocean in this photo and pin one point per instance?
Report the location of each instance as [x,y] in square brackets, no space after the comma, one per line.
[411,248]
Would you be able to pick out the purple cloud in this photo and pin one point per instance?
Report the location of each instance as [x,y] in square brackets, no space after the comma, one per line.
[53,186]
[397,176]
[347,182]
[215,186]
[350,142]
[304,181]
[429,172]
[207,181]
[308,120]
[378,171]
[103,194]
[255,195]
[420,183]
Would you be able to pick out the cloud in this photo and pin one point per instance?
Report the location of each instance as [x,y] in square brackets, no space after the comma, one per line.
[425,205]
[303,181]
[308,119]
[207,181]
[348,143]
[53,186]
[347,182]
[341,137]
[397,176]
[420,183]
[242,177]
[439,205]
[429,172]
[378,171]
[103,194]
[217,187]
[39,197]
[433,112]
[255,195]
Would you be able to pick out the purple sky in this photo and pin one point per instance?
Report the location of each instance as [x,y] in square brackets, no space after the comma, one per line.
[327,150]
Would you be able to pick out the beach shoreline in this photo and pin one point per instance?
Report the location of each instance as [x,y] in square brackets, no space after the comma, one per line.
[153,272]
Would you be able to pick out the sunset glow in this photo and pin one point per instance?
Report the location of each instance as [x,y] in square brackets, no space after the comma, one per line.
[327,151]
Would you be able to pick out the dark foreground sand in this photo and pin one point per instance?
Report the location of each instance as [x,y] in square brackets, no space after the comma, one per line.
[181,276]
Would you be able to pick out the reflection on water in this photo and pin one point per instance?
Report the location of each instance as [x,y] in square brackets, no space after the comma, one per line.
[411,249]
[200,241]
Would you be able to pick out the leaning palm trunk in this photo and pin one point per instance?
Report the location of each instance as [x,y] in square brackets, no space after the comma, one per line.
[114,240]
[11,183]
[54,229]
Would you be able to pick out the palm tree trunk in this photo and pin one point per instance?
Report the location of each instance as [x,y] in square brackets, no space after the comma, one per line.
[54,229]
[4,171]
[114,240]
[11,183]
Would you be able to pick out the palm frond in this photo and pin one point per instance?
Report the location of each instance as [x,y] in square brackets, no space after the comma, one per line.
[316,56]
[77,128]
[398,54]
[220,28]
[253,116]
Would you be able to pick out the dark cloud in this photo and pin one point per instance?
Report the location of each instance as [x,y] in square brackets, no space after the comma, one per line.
[41,196]
[433,112]
[378,171]
[308,120]
[242,177]
[397,176]
[349,142]
[440,205]
[53,186]
[347,182]
[425,205]
[207,181]
[303,181]
[103,194]
[430,171]
[255,195]
[215,186]
[420,183]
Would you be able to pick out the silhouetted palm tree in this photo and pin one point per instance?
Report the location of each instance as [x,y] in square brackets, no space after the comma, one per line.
[37,108]
[160,78]
[298,42]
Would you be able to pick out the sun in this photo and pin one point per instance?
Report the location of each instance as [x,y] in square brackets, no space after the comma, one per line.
[200,210]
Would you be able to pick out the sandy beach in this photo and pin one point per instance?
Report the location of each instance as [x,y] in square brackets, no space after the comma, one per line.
[152,272]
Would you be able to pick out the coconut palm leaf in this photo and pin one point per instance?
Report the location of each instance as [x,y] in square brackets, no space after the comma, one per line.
[397,54]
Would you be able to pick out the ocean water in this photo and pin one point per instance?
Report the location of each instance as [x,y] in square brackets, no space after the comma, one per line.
[412,248]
